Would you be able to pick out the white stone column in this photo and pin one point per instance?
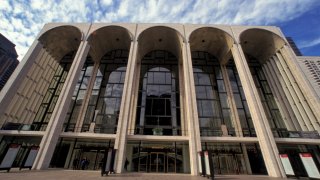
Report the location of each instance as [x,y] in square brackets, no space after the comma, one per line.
[122,128]
[278,72]
[282,96]
[18,76]
[278,97]
[232,104]
[295,92]
[266,140]
[86,99]
[304,91]
[293,64]
[49,140]
[133,106]
[191,115]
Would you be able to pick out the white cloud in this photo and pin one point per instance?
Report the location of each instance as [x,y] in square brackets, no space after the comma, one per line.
[311,43]
[5,6]
[106,2]
[21,21]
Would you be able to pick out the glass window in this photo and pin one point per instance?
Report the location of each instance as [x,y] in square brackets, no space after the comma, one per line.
[107,92]
[158,106]
[210,93]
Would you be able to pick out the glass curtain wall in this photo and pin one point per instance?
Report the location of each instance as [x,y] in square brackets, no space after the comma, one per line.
[236,158]
[105,100]
[78,95]
[158,109]
[70,152]
[51,97]
[240,100]
[270,106]
[213,108]
[158,157]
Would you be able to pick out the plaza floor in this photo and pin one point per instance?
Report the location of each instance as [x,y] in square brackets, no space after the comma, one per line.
[54,174]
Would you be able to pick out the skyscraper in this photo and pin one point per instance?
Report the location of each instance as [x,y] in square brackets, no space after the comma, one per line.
[8,60]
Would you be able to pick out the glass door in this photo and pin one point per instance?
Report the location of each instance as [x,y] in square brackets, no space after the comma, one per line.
[157,162]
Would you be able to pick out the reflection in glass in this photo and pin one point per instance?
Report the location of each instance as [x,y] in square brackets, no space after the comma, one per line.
[240,100]
[50,99]
[211,95]
[158,100]
[104,104]
[78,96]
[268,101]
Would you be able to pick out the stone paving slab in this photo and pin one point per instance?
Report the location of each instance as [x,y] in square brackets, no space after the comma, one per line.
[54,174]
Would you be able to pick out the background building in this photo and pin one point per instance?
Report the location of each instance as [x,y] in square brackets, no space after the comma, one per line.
[158,94]
[8,60]
[294,47]
[311,68]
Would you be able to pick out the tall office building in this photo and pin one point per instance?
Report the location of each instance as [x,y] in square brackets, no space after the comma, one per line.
[158,94]
[294,47]
[8,60]
[311,68]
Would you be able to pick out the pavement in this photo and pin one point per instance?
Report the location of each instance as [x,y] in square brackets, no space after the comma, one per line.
[54,174]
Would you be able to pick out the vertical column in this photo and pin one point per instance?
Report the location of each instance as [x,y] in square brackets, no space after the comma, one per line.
[266,140]
[17,77]
[235,115]
[278,72]
[191,108]
[305,92]
[53,130]
[85,103]
[133,106]
[121,136]
[294,91]
[231,101]
[276,91]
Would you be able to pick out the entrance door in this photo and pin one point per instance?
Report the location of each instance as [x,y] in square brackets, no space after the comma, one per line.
[157,162]
[227,164]
[93,156]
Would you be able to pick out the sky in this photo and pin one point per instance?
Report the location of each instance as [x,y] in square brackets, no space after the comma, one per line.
[22,20]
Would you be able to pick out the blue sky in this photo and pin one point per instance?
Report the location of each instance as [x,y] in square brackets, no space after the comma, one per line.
[21,20]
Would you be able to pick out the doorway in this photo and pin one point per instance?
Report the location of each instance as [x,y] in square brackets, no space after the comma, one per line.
[93,156]
[157,162]
[157,157]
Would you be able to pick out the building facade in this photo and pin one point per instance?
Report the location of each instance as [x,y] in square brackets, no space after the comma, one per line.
[310,66]
[293,46]
[158,94]
[8,60]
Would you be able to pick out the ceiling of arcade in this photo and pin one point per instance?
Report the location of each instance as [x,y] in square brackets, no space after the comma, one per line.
[107,39]
[61,40]
[260,44]
[159,38]
[214,41]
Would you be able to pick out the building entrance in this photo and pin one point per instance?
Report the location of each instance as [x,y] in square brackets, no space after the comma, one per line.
[158,157]
[88,158]
[159,162]
[80,154]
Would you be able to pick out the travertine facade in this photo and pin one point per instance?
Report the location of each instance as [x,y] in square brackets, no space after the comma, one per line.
[159,94]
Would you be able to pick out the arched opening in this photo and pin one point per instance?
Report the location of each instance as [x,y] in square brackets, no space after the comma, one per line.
[97,98]
[259,46]
[60,46]
[157,110]
[217,89]
[104,105]
[210,48]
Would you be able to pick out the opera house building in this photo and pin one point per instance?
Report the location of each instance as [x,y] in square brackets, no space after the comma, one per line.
[157,95]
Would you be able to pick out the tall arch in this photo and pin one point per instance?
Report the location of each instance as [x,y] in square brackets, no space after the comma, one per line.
[108,38]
